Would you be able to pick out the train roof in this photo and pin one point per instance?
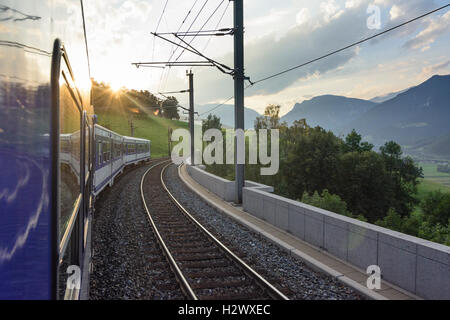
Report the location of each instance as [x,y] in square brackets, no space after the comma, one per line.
[125,137]
[106,129]
[136,139]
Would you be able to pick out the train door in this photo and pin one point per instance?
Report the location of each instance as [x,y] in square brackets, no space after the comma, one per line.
[71,177]
[122,151]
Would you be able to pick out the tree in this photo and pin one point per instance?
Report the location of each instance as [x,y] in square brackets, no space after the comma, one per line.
[362,184]
[309,161]
[437,233]
[404,178]
[392,153]
[353,143]
[170,108]
[270,119]
[436,207]
[391,221]
[212,122]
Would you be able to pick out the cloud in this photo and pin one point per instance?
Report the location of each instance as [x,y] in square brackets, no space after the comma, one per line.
[273,17]
[395,12]
[350,4]
[300,44]
[433,30]
[330,10]
[117,31]
[303,16]
[434,69]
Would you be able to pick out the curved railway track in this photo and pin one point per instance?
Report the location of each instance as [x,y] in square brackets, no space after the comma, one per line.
[204,267]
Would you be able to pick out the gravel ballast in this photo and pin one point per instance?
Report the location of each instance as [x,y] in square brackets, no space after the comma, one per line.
[127,262]
[278,267]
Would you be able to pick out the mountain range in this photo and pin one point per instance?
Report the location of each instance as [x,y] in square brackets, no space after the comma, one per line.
[226,114]
[418,118]
[386,97]
[328,111]
[420,114]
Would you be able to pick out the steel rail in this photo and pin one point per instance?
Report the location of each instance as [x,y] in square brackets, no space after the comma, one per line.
[271,290]
[173,265]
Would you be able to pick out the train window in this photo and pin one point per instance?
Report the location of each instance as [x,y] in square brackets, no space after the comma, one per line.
[70,152]
[106,151]
[117,150]
[131,148]
[99,153]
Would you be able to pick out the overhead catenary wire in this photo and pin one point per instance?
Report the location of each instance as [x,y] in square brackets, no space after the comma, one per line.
[204,24]
[190,26]
[157,26]
[168,72]
[332,53]
[85,39]
[156,30]
[160,17]
[171,48]
[216,107]
[191,33]
[208,61]
[217,26]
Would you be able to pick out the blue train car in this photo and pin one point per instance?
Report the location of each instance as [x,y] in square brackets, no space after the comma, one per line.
[45,192]
[113,153]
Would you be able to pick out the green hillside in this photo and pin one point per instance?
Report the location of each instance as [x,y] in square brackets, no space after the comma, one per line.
[150,116]
[433,180]
[148,127]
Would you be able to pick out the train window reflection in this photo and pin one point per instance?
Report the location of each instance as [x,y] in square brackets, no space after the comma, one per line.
[70,144]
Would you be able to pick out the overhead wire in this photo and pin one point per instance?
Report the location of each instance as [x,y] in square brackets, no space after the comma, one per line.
[332,53]
[85,39]
[173,52]
[204,24]
[217,26]
[348,46]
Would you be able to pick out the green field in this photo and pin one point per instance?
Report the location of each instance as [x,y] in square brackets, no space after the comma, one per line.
[433,180]
[148,127]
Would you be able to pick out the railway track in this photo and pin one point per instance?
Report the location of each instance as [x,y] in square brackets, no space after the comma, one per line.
[204,268]
[127,261]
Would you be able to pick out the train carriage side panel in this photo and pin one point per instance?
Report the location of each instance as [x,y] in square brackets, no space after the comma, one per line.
[31,202]
[117,159]
[102,174]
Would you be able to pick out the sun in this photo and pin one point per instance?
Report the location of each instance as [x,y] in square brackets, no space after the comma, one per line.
[116,86]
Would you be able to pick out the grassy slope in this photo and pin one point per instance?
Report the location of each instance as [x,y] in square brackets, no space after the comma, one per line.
[151,127]
[433,181]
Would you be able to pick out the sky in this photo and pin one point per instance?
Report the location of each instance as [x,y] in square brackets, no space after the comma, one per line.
[278,35]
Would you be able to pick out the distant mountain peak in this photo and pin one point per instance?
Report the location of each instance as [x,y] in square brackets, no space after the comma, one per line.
[401,118]
[328,111]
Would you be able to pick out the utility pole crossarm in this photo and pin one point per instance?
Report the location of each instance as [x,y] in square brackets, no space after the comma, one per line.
[218,65]
[188,47]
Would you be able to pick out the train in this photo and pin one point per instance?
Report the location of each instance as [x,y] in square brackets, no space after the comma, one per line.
[54,157]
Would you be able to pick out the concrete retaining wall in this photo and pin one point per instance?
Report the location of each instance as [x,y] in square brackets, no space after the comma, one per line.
[222,188]
[415,265]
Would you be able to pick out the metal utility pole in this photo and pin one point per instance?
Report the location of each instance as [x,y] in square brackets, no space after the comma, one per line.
[239,78]
[191,113]
[131,127]
[191,110]
[169,140]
